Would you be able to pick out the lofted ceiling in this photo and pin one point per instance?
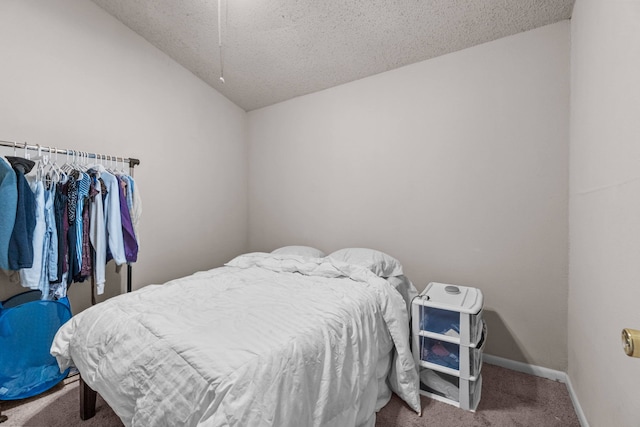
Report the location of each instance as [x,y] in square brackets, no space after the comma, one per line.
[274,50]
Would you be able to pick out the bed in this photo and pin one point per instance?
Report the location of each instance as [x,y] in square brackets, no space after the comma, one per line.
[288,338]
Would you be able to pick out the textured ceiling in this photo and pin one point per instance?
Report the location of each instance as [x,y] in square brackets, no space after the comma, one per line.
[275,50]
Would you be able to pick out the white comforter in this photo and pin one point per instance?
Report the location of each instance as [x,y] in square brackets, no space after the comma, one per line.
[263,341]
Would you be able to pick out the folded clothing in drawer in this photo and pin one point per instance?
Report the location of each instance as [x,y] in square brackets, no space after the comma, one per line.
[440,383]
[440,321]
[448,355]
[465,393]
[440,352]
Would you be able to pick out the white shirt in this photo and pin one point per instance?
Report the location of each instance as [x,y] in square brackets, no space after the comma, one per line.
[112,218]
[98,238]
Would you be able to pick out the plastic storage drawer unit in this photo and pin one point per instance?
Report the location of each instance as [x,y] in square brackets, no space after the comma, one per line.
[448,341]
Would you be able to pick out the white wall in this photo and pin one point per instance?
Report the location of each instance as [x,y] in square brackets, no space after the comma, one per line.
[604,284]
[74,77]
[457,166]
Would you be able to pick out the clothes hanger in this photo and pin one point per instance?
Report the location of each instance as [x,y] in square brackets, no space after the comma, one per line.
[92,164]
[112,163]
[52,172]
[42,162]
[76,160]
[61,173]
[123,170]
[80,162]
[84,160]
[66,167]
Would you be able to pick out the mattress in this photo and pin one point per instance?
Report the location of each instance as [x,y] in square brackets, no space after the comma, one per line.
[263,341]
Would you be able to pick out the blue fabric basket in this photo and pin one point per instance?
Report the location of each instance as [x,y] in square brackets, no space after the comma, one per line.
[27,328]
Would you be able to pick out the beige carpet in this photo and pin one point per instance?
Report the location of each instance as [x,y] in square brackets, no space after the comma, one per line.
[509,398]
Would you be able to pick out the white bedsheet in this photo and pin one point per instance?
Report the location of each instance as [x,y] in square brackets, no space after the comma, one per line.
[264,341]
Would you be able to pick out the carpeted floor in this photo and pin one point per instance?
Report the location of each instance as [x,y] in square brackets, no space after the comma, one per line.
[509,398]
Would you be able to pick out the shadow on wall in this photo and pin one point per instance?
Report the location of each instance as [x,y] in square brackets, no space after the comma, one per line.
[500,341]
[10,284]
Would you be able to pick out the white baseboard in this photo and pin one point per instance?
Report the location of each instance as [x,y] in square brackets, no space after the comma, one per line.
[542,372]
[576,404]
[527,368]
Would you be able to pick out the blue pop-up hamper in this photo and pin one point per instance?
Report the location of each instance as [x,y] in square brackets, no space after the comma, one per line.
[27,328]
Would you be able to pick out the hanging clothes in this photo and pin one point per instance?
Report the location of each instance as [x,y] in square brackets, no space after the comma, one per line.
[58,289]
[21,242]
[134,200]
[84,182]
[31,277]
[86,266]
[67,224]
[59,208]
[97,231]
[128,235]
[8,205]
[51,237]
[112,217]
[73,268]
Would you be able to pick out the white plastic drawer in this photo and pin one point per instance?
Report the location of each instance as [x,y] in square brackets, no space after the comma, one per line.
[454,359]
[439,383]
[466,393]
[439,321]
[452,326]
[474,361]
[440,353]
[470,392]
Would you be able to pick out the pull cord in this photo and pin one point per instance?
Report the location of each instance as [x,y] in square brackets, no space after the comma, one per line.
[220,40]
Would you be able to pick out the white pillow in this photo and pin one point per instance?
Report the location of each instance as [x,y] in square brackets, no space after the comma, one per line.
[299,250]
[378,262]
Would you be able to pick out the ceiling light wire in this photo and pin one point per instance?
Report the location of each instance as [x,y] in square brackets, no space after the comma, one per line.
[220,39]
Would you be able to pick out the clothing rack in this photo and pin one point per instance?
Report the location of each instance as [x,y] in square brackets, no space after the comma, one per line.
[54,150]
[83,154]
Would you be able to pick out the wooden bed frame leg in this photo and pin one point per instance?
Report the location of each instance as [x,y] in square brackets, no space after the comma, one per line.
[87,401]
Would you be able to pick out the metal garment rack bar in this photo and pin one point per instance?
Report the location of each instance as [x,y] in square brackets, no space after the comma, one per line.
[49,149]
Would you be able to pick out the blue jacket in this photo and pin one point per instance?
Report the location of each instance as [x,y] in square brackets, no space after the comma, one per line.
[8,203]
[21,243]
